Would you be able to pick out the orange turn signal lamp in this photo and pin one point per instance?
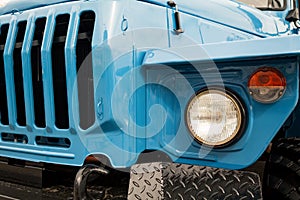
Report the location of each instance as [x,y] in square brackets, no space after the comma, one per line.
[267,85]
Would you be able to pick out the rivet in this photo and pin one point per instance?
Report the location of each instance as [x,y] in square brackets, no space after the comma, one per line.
[12,127]
[48,129]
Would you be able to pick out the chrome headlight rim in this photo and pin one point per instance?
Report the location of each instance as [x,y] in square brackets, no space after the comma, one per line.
[236,100]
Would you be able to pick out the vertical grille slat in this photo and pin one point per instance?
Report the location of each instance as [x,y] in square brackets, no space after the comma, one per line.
[70,52]
[84,64]
[59,72]
[27,73]
[47,71]
[18,74]
[3,97]
[36,69]
[9,73]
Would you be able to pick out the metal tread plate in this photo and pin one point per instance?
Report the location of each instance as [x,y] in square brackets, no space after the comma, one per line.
[178,181]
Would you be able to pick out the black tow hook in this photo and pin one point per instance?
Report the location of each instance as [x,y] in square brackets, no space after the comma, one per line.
[80,183]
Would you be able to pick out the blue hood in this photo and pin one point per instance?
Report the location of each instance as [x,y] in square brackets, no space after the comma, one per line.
[225,12]
[7,6]
[232,14]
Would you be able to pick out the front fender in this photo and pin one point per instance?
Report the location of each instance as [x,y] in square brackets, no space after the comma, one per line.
[227,65]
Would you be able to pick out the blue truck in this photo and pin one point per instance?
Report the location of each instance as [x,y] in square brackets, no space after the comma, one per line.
[203,82]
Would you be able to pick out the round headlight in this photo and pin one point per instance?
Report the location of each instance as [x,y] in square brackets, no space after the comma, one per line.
[214,117]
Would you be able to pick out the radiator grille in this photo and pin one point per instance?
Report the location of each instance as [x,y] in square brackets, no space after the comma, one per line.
[34,79]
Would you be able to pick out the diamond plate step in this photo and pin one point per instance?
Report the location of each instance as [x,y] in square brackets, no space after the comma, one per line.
[177,181]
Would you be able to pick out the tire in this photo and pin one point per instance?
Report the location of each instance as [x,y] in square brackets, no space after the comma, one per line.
[282,173]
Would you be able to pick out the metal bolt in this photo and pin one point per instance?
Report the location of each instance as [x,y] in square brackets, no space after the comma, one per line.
[72,131]
[48,129]
[29,128]
[12,127]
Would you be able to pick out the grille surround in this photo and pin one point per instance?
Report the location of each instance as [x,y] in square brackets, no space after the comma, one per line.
[45,121]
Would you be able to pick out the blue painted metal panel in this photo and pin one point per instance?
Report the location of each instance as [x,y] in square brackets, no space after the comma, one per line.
[27,73]
[231,14]
[9,72]
[236,50]
[8,6]
[144,77]
[47,70]
[234,77]
[292,124]
[70,60]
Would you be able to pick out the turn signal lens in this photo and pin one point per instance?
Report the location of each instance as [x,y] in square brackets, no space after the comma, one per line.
[267,85]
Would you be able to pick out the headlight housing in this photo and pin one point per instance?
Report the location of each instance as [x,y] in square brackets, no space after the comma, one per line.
[215,117]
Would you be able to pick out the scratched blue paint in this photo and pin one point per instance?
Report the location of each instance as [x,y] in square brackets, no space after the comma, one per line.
[145,75]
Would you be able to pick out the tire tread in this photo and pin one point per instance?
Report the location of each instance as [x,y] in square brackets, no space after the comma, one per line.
[283,170]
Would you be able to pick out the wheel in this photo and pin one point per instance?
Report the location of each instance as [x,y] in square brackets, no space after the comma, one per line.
[282,173]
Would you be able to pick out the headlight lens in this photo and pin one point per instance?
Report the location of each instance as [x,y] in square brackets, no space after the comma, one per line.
[214,117]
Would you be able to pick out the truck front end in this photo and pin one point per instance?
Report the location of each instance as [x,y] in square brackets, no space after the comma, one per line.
[124,79]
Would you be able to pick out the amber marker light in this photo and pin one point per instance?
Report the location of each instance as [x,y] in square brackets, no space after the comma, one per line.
[267,85]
